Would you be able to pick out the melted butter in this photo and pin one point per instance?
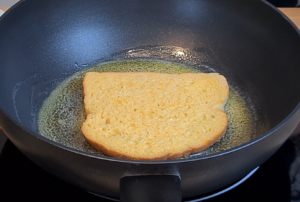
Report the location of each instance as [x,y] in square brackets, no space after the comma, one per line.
[62,113]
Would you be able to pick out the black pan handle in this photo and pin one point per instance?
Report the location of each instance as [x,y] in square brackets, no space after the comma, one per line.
[150,188]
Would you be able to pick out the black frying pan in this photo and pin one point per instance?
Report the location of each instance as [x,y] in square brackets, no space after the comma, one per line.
[254,46]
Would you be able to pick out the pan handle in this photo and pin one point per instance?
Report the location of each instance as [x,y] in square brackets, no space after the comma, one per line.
[149,188]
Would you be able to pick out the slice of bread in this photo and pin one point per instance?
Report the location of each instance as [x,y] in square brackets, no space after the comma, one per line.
[154,116]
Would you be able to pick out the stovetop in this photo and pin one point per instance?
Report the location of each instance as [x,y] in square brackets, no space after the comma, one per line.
[278,179]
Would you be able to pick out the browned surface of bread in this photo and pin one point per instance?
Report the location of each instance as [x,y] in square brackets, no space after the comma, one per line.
[154,116]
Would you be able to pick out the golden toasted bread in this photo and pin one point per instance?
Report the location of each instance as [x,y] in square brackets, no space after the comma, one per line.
[154,116]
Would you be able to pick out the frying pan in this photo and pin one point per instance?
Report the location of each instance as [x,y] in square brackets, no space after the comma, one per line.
[252,44]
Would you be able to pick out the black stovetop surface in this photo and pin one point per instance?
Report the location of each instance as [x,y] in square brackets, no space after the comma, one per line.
[278,179]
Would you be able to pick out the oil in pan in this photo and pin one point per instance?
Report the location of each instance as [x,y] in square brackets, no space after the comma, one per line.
[62,113]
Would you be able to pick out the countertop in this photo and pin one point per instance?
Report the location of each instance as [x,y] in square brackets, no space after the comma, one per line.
[293,14]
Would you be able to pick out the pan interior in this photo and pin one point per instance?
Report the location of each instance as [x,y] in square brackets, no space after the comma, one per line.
[62,113]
